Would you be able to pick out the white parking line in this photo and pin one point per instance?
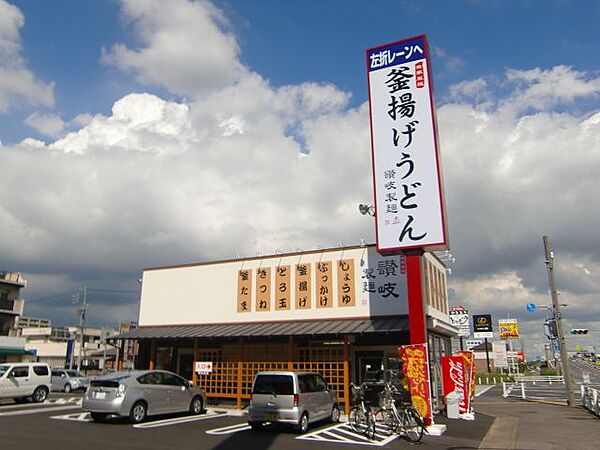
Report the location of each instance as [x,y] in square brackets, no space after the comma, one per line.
[177,420]
[77,417]
[483,391]
[60,401]
[342,433]
[38,410]
[230,429]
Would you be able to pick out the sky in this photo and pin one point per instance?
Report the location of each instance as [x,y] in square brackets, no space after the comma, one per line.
[146,133]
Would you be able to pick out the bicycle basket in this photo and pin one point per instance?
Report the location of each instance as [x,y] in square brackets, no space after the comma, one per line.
[358,393]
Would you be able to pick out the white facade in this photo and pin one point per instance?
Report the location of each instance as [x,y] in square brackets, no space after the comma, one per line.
[208,293]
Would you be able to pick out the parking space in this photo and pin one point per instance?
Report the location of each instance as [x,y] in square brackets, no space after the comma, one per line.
[343,433]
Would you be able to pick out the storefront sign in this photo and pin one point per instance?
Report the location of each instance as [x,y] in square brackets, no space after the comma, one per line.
[409,207]
[456,378]
[303,286]
[482,326]
[244,301]
[415,365]
[459,317]
[283,294]
[500,354]
[203,367]
[324,285]
[263,289]
[345,278]
[508,328]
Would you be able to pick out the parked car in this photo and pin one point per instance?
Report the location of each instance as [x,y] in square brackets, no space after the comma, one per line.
[25,381]
[293,398]
[141,393]
[66,380]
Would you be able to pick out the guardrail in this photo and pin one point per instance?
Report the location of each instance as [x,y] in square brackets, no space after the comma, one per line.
[541,379]
[520,384]
[590,399]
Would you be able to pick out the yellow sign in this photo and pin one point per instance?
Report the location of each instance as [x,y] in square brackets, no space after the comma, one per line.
[508,328]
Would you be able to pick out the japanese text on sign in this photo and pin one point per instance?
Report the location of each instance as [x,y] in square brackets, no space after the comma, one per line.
[345,278]
[244,302]
[303,290]
[409,206]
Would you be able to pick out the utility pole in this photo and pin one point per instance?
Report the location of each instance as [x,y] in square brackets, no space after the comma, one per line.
[564,356]
[81,310]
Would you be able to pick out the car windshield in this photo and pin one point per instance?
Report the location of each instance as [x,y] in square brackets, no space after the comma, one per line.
[3,369]
[74,374]
[274,384]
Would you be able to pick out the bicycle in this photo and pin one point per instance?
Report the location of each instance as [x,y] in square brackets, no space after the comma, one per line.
[399,416]
[361,418]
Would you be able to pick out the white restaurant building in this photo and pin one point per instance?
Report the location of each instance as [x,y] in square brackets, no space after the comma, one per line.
[342,312]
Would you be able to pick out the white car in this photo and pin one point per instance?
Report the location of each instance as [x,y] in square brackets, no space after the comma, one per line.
[24,381]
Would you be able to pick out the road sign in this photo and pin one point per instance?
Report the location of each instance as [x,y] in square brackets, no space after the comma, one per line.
[482,326]
[459,317]
[531,307]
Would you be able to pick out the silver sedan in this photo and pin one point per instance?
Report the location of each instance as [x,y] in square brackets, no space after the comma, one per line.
[139,394]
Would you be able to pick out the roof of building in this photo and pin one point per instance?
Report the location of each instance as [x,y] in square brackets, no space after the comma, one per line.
[288,328]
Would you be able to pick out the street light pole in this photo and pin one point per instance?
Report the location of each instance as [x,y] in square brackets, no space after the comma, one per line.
[564,356]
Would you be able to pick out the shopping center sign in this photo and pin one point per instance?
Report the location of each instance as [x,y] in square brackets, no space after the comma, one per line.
[482,326]
[409,206]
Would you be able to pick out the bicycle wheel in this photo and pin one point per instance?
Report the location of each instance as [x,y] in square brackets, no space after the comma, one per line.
[371,424]
[414,425]
[389,420]
[357,420]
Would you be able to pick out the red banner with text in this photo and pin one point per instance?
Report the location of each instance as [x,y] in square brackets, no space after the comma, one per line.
[456,378]
[469,357]
[415,365]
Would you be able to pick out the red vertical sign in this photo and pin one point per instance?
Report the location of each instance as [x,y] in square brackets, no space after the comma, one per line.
[456,378]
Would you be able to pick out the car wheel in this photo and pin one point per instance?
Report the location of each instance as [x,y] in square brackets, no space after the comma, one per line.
[197,406]
[303,424]
[98,417]
[257,426]
[40,394]
[67,388]
[138,412]
[335,414]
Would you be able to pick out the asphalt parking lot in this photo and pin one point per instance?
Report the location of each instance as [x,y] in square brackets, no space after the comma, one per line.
[59,423]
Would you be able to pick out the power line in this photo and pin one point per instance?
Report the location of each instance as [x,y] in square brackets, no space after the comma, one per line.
[113,290]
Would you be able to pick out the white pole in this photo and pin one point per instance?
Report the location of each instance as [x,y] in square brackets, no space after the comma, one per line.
[522,390]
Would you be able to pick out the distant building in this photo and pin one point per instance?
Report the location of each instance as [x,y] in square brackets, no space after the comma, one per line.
[11,307]
[49,345]
[33,322]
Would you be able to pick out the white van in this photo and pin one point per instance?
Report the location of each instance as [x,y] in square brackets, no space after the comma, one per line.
[24,381]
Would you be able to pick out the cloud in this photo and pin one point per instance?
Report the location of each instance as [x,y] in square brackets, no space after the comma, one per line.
[49,124]
[186,47]
[18,85]
[248,166]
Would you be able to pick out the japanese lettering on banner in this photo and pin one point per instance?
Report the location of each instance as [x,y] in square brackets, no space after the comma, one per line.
[303,291]
[244,301]
[409,207]
[508,328]
[469,358]
[456,378]
[415,365]
[345,278]
[324,285]
[283,296]
[459,317]
[263,289]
